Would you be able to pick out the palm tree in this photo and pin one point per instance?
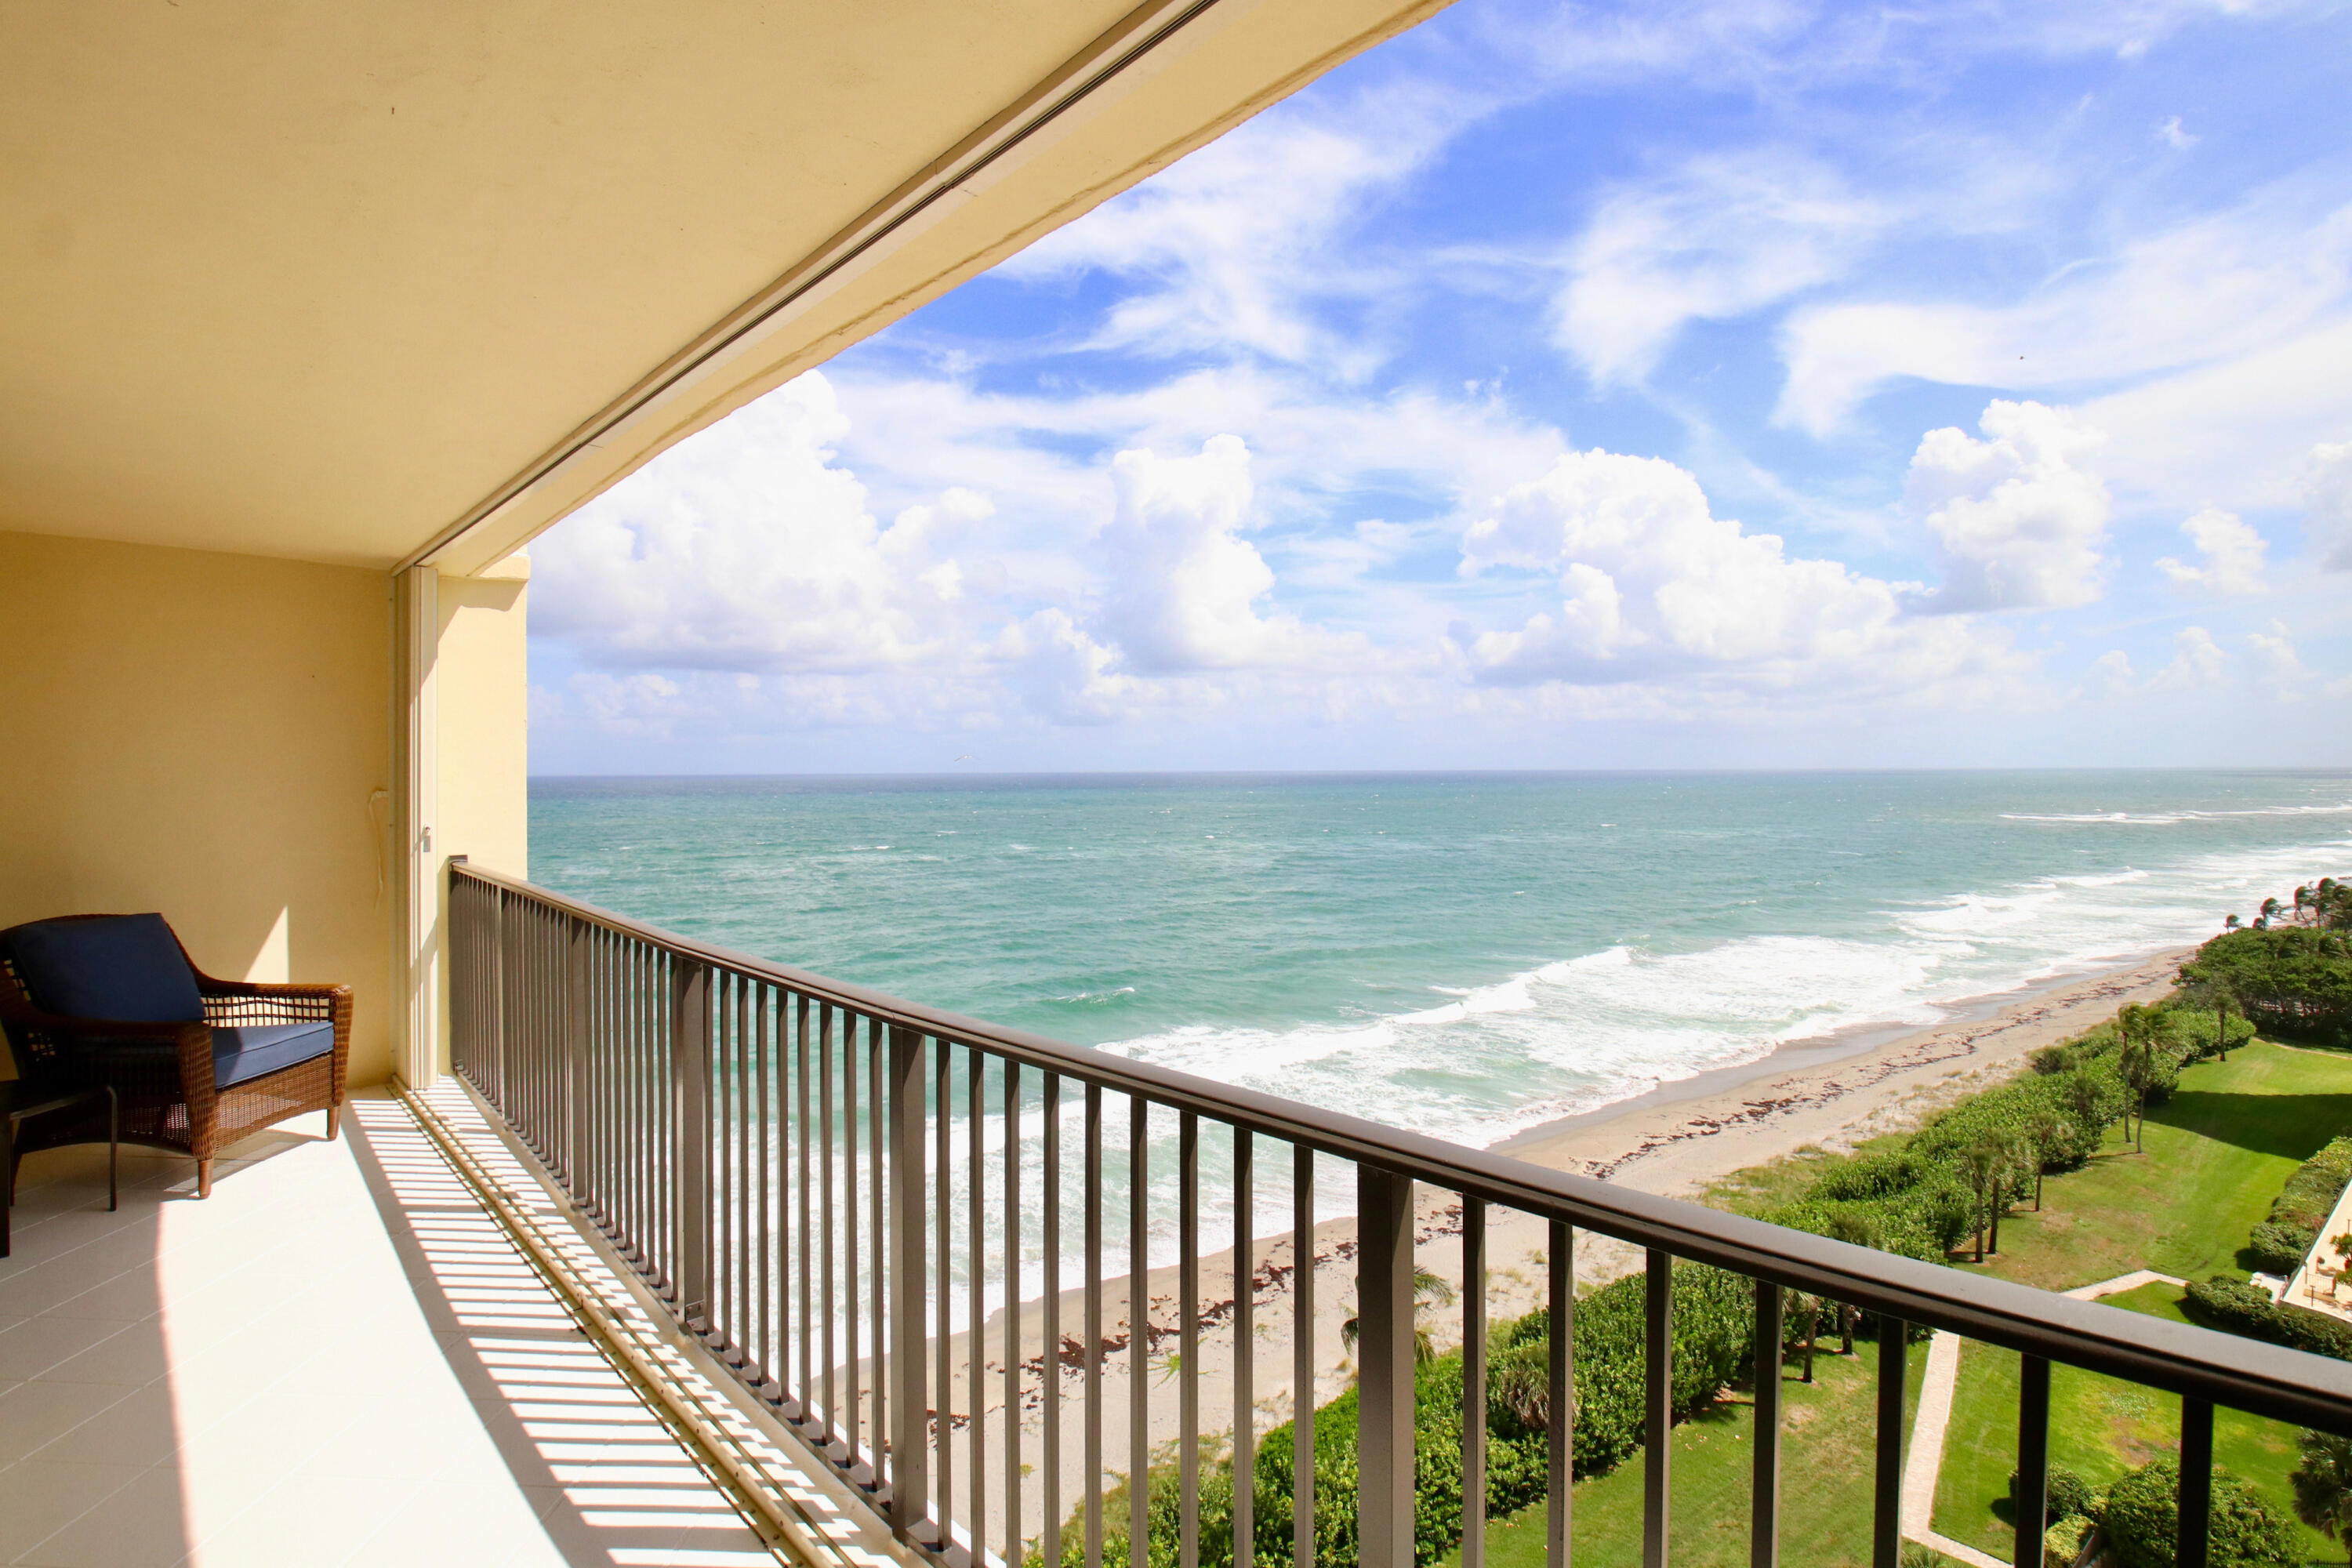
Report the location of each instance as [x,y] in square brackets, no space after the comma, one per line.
[2232,922]
[2202,989]
[2302,898]
[1984,1163]
[1429,1290]
[2015,1159]
[2322,1485]
[2271,909]
[2044,1132]
[2143,1030]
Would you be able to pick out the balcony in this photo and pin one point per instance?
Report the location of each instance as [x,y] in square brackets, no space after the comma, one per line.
[908,1239]
[340,1357]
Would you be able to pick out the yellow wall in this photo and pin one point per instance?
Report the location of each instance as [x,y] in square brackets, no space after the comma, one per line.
[211,735]
[207,735]
[485,717]
[481,805]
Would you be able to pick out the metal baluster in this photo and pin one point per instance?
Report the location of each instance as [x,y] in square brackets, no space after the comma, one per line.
[802,1394]
[1764,1492]
[1188,1339]
[1244,1350]
[1658,1406]
[726,1313]
[942,1369]
[1094,1309]
[1138,1329]
[1049,1390]
[2033,1498]
[852,1286]
[910,1489]
[1559,1521]
[1474,1382]
[879,1260]
[976,1295]
[771,1121]
[690,1062]
[741,1322]
[1887,1517]
[1302,1356]
[1384,1368]
[1013,1312]
[829,1433]
[2193,1548]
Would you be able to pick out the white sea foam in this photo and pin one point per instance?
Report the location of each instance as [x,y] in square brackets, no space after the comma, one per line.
[1581,1033]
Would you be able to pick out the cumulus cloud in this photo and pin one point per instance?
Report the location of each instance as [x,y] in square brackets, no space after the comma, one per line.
[2276,653]
[1654,584]
[1062,673]
[2233,554]
[2328,505]
[2110,675]
[1185,585]
[2018,516]
[749,548]
[2198,662]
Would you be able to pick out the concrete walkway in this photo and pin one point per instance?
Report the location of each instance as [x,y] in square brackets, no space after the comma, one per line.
[1925,1463]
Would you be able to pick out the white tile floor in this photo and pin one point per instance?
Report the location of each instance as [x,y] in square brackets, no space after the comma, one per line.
[338,1358]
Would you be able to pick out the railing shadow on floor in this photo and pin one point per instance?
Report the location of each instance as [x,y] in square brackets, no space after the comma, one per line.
[612,1484]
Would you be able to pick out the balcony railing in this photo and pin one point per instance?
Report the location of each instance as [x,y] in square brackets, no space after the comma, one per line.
[825,1183]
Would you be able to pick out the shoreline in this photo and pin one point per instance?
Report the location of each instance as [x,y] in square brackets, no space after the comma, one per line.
[1675,1141]
[1832,1090]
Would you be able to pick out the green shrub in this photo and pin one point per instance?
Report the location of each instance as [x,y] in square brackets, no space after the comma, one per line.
[2066,1493]
[2238,1308]
[2290,980]
[2279,1248]
[2062,1543]
[2280,1243]
[2143,1524]
[1714,1320]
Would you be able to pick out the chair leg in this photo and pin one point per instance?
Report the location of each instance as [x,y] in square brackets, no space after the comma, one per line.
[334,1120]
[204,1178]
[113,1149]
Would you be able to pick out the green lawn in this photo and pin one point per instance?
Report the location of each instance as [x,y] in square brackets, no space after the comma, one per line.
[2217,1154]
[1826,1467]
[2099,1429]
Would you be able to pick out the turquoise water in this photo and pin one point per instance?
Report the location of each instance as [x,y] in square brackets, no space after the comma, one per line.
[1469,956]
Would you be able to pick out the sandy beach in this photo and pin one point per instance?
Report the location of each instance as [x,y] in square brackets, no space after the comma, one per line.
[1830,1093]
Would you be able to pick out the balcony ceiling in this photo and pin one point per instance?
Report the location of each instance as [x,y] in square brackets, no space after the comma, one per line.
[321,281]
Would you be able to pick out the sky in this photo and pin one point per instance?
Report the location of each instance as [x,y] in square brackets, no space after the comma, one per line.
[1568,386]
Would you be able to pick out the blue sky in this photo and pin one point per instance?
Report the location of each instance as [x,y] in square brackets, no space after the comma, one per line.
[1569,386]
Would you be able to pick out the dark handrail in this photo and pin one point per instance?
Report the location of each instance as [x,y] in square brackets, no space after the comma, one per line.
[2226,1369]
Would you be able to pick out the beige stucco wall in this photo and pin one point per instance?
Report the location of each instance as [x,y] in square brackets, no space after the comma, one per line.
[485,717]
[206,735]
[210,735]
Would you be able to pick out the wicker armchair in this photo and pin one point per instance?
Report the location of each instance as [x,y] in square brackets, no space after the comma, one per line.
[248,1058]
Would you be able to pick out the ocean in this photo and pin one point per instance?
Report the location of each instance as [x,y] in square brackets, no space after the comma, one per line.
[1470,955]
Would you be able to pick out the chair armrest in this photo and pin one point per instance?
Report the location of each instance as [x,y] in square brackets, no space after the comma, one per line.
[207,986]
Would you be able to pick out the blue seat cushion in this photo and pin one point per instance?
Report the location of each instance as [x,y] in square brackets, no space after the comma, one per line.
[127,967]
[243,1052]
